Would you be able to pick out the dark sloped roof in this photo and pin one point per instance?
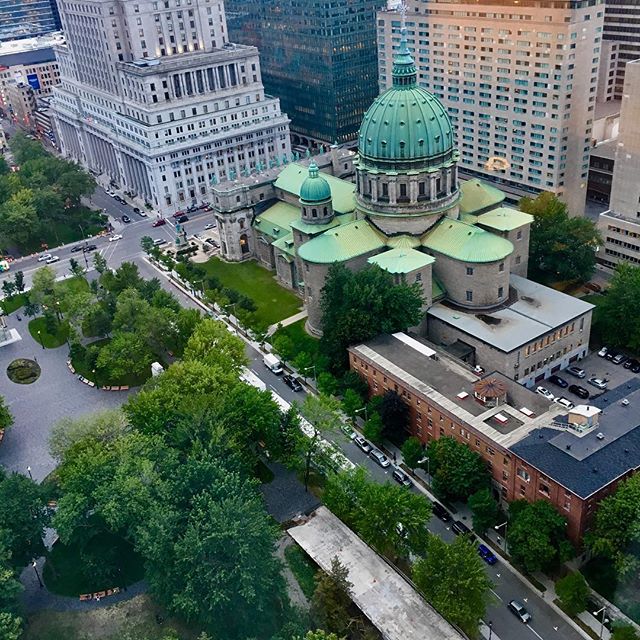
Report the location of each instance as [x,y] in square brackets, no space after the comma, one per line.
[31,56]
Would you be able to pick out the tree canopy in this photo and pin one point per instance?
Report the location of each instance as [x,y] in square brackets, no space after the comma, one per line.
[573,592]
[561,247]
[358,306]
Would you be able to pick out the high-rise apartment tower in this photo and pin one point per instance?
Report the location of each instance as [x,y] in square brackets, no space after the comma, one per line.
[154,95]
[518,78]
[319,58]
[27,18]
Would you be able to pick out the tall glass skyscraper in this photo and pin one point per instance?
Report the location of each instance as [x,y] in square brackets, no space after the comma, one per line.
[27,18]
[319,58]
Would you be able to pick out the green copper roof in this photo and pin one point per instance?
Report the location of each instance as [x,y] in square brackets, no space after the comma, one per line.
[285,244]
[315,229]
[315,188]
[341,243]
[401,260]
[478,197]
[403,242]
[504,219]
[275,221]
[466,242]
[293,175]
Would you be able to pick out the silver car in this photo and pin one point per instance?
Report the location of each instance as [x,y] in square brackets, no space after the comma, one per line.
[598,383]
[380,458]
[363,444]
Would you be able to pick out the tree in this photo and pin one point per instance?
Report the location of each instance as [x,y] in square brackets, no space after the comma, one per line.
[211,343]
[6,419]
[561,247]
[573,592]
[8,288]
[96,322]
[485,510]
[125,354]
[146,243]
[131,311]
[357,306]
[615,532]
[31,309]
[100,263]
[394,412]
[10,626]
[412,452]
[457,471]
[18,217]
[623,631]
[536,535]
[318,634]
[10,587]
[327,384]
[332,598]
[18,280]
[42,285]
[75,268]
[373,429]
[453,579]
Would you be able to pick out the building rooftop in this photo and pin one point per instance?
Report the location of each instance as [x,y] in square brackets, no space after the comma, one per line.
[314,229]
[504,219]
[22,46]
[478,197]
[605,149]
[606,109]
[537,311]
[275,221]
[584,463]
[293,175]
[466,242]
[379,591]
[401,260]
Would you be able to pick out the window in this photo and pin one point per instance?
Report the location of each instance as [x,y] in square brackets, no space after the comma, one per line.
[501,266]
[543,488]
[522,473]
[500,292]
[469,296]
[469,271]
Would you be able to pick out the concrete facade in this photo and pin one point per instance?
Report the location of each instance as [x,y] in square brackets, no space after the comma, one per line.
[519,82]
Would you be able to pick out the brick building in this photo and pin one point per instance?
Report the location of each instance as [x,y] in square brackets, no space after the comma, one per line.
[534,449]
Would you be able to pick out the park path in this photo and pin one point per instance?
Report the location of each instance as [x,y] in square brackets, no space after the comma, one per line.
[296,594]
[286,322]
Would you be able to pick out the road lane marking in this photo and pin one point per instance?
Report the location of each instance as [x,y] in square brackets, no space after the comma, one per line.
[496,595]
[534,631]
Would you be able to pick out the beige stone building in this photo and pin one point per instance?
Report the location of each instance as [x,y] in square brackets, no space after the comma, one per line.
[518,80]
[620,226]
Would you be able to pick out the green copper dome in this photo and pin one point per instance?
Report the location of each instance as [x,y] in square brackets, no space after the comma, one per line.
[406,126]
[315,188]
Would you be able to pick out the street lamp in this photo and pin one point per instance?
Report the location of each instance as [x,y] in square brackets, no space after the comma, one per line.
[490,629]
[35,568]
[366,417]
[498,527]
[603,619]
[40,338]
[84,253]
[315,377]
[29,472]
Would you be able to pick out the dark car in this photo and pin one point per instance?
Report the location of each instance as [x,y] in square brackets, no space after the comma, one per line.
[77,248]
[558,381]
[120,199]
[460,528]
[581,392]
[619,358]
[486,554]
[89,247]
[126,219]
[635,367]
[183,219]
[136,209]
[292,383]
[611,354]
[401,477]
[440,512]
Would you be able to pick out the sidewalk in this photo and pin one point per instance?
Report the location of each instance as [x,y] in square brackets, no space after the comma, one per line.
[286,322]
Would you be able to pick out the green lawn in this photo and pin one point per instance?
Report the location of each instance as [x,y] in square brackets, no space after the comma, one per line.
[102,562]
[9,305]
[38,330]
[273,302]
[302,568]
[76,284]
[301,340]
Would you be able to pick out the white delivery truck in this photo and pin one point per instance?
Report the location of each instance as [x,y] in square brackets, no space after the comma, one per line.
[272,363]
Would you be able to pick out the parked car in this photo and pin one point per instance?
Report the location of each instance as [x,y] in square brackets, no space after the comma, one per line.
[380,458]
[182,219]
[159,241]
[635,367]
[545,393]
[603,352]
[89,247]
[611,354]
[558,381]
[440,512]
[115,236]
[576,371]
[593,286]
[44,257]
[564,402]
[177,214]
[136,210]
[363,444]
[52,259]
[292,382]
[460,528]
[401,477]
[629,363]
[517,608]
[581,392]
[598,383]
[619,358]
[119,199]
[126,219]
[486,554]
[77,248]
[159,222]
[210,225]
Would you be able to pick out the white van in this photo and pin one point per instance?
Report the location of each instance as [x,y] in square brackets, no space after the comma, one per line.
[272,363]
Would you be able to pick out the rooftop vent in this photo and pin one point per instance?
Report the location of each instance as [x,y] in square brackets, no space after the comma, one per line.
[568,447]
[600,436]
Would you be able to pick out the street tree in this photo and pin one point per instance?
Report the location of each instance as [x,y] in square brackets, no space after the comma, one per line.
[18,280]
[484,509]
[453,579]
[8,288]
[573,592]
[18,217]
[214,345]
[373,428]
[358,306]
[332,598]
[351,403]
[394,412]
[100,263]
[536,536]
[615,533]
[146,243]
[412,452]
[561,247]
[6,419]
[457,471]
[42,285]
[75,268]
[623,631]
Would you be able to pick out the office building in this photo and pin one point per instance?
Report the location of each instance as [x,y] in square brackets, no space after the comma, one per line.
[155,99]
[519,82]
[534,449]
[620,226]
[621,45]
[27,18]
[319,58]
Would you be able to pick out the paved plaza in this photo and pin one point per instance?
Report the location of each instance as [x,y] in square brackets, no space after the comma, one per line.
[37,407]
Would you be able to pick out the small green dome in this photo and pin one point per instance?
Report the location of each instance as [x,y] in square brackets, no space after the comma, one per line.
[315,188]
[406,125]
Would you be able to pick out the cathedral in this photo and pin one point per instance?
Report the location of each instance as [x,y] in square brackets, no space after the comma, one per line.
[409,214]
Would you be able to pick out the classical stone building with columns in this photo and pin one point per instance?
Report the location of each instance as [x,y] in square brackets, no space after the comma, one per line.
[408,213]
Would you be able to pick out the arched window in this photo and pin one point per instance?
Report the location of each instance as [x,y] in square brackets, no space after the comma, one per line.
[324,211]
[314,213]
[244,243]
